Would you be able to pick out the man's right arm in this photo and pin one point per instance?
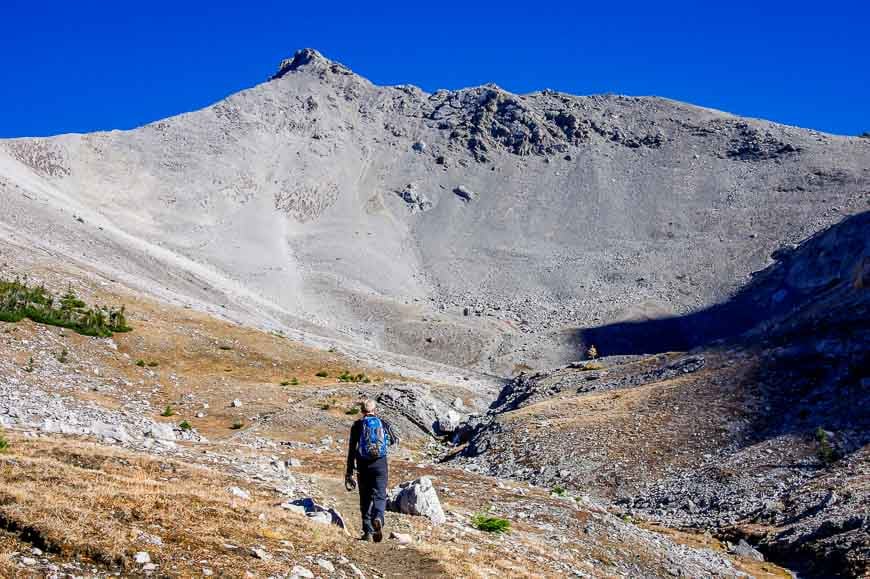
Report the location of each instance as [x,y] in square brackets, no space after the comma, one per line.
[351,449]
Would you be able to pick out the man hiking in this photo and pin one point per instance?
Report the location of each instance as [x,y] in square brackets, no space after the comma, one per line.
[370,436]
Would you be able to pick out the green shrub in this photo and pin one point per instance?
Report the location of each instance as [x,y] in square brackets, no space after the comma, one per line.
[168,411]
[185,425]
[29,367]
[489,524]
[348,377]
[352,411]
[294,382]
[62,356]
[322,374]
[4,444]
[285,383]
[559,491]
[140,363]
[827,454]
[19,300]
[237,424]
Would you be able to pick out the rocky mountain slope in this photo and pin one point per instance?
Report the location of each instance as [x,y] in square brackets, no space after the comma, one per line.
[764,436]
[475,227]
[183,447]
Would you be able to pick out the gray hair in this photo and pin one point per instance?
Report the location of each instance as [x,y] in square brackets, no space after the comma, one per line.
[369,405]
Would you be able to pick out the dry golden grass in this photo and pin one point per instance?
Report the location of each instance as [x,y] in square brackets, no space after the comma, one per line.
[86,501]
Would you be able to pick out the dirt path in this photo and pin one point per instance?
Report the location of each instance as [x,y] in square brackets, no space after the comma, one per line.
[392,559]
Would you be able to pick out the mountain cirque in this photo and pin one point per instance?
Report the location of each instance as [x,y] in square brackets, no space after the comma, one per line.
[320,202]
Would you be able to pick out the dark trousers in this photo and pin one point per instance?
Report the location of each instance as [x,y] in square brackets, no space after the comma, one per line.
[372,491]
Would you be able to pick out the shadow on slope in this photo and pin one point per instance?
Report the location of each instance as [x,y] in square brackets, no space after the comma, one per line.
[822,264]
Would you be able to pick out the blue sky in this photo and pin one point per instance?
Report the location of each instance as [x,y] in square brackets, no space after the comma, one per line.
[85,65]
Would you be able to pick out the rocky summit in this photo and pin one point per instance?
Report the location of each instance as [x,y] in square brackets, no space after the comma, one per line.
[620,337]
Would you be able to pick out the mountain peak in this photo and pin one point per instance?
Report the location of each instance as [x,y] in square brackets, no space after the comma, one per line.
[305,58]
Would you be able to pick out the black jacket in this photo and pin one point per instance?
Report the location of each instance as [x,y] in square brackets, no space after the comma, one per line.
[352,442]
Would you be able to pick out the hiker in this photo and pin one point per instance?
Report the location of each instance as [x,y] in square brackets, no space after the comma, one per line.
[370,437]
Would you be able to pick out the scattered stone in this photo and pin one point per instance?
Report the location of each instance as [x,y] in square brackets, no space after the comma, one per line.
[142,557]
[27,561]
[260,553]
[465,193]
[299,572]
[325,565]
[239,493]
[402,538]
[236,403]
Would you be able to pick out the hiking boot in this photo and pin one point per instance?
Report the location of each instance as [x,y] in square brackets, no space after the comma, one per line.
[378,526]
[366,537]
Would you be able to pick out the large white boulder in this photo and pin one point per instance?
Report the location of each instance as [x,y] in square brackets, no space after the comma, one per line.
[417,497]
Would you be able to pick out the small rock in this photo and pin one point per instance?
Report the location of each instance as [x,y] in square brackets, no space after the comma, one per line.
[326,565]
[149,567]
[236,403]
[27,561]
[206,572]
[142,558]
[402,538]
[465,193]
[298,572]
[36,552]
[239,493]
[260,553]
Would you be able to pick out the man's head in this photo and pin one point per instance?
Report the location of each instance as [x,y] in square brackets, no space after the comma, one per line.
[369,406]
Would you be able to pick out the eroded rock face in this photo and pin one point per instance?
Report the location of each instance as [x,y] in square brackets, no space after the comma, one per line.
[417,497]
[417,404]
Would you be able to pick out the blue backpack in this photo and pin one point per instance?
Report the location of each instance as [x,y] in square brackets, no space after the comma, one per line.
[372,439]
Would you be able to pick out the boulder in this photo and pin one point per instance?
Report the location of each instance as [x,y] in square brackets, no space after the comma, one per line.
[416,404]
[744,549]
[465,193]
[317,513]
[110,431]
[161,431]
[449,422]
[417,497]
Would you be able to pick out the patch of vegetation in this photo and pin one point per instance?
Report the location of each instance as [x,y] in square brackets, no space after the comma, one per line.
[322,374]
[29,367]
[285,383]
[355,378]
[328,405]
[19,300]
[294,382]
[63,356]
[168,411]
[185,425]
[4,444]
[237,424]
[153,364]
[559,491]
[352,411]
[826,452]
[225,347]
[490,524]
[140,363]
[591,366]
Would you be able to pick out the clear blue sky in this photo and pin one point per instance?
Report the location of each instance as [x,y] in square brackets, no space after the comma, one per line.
[84,65]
